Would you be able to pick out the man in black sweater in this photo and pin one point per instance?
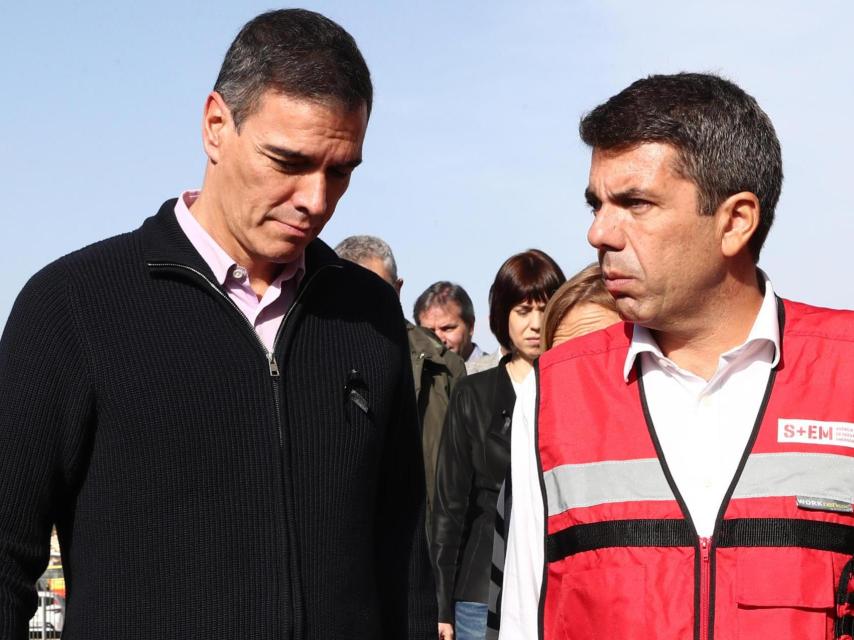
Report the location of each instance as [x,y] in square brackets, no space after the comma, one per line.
[214,410]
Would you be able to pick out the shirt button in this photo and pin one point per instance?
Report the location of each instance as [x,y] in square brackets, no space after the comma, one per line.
[239,273]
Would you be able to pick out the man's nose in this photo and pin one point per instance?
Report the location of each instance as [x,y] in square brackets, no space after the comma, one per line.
[310,195]
[605,233]
[444,338]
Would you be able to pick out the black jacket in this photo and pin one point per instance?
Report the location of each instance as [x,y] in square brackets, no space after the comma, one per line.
[200,490]
[473,459]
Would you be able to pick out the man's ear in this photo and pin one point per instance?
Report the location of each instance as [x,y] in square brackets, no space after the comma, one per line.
[739,218]
[216,122]
[398,285]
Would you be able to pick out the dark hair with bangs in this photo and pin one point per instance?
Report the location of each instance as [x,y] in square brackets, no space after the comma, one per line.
[528,276]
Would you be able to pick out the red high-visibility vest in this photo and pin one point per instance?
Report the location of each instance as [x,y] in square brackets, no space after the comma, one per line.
[623,560]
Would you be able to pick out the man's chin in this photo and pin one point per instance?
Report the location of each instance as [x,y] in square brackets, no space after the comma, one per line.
[629,310]
[285,252]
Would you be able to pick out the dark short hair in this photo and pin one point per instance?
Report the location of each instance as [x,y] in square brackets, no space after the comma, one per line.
[585,287]
[295,52]
[528,276]
[725,142]
[441,293]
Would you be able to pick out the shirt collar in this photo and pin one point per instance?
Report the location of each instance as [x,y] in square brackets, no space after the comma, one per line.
[766,328]
[476,352]
[220,263]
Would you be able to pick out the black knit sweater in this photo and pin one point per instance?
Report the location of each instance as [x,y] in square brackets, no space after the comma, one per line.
[200,490]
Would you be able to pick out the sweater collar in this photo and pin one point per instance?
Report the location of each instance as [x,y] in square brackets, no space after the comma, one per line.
[164,242]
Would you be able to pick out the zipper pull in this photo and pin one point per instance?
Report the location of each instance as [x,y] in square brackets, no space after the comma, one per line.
[274,367]
[705,587]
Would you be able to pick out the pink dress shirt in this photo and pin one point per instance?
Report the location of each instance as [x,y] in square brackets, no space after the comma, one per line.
[264,314]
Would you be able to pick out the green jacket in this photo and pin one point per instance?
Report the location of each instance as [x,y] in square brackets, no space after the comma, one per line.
[435,371]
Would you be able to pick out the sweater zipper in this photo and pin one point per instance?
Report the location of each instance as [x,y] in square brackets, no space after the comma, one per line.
[271,358]
[705,586]
[272,364]
[273,368]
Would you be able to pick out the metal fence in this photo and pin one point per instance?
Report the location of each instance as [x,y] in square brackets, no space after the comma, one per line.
[49,618]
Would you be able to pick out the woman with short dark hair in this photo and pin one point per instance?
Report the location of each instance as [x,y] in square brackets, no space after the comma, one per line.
[475,448]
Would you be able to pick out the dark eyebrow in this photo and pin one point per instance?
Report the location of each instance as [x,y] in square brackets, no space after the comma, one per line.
[621,198]
[634,192]
[591,198]
[631,195]
[283,153]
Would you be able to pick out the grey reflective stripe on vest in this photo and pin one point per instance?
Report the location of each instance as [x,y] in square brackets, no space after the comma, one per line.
[572,486]
[819,475]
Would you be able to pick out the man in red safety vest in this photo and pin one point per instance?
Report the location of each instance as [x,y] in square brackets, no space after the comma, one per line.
[696,461]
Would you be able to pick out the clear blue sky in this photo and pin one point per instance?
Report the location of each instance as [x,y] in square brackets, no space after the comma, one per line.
[472,152]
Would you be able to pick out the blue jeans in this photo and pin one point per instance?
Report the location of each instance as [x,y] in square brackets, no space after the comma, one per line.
[470,620]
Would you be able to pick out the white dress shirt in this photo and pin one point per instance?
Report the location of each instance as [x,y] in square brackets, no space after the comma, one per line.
[523,562]
[702,426]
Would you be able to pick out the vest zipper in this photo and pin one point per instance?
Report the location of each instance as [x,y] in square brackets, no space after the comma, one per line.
[704,589]
[705,586]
